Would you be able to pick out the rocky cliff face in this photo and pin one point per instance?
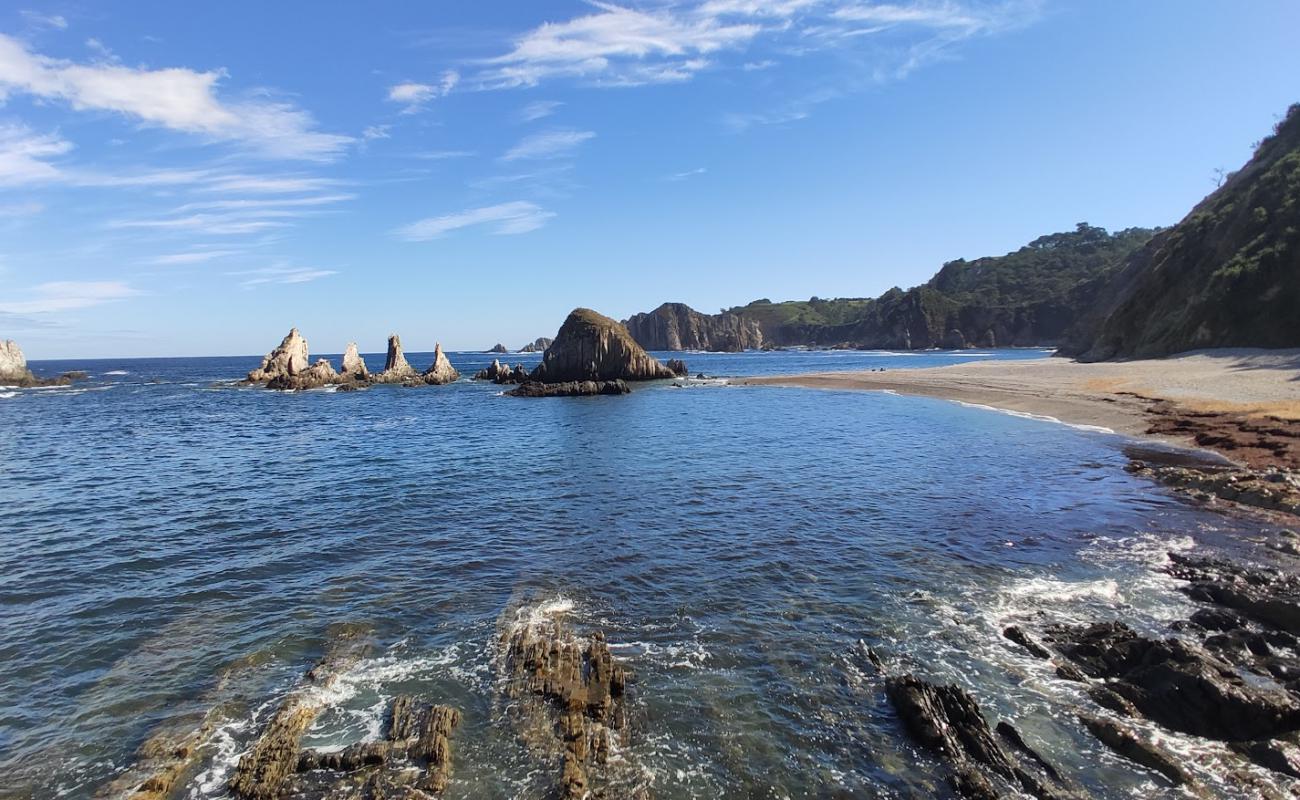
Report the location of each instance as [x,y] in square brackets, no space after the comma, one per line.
[285,361]
[1227,275]
[677,326]
[593,347]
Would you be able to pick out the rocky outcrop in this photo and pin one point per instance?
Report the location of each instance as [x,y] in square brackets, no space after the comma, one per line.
[677,326]
[285,361]
[538,345]
[499,348]
[14,370]
[1130,746]
[354,367]
[570,389]
[677,367]
[593,347]
[502,373]
[1176,684]
[568,698]
[440,372]
[321,373]
[396,370]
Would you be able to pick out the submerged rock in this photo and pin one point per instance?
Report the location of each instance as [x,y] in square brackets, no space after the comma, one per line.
[570,389]
[354,367]
[396,370]
[593,347]
[440,372]
[285,361]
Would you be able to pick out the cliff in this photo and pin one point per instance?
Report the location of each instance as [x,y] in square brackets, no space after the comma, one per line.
[1227,275]
[677,326]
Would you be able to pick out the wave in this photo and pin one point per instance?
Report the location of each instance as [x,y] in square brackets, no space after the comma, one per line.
[117,372]
[1038,417]
[7,395]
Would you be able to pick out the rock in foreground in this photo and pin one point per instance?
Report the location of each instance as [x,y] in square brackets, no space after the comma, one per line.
[593,347]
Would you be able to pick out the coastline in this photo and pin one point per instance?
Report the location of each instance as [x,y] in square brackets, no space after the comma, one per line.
[1243,404]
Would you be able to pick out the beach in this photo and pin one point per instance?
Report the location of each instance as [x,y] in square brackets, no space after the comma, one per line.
[1242,403]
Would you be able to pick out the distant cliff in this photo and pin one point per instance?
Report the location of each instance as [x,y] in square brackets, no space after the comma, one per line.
[677,326]
[1227,275]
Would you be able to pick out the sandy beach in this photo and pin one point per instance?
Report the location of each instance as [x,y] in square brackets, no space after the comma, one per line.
[1242,403]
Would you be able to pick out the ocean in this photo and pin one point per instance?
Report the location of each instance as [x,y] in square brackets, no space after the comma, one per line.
[170,537]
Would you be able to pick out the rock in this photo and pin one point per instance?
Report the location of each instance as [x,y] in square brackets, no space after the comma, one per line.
[266,768]
[677,326]
[501,373]
[567,694]
[1015,634]
[285,361]
[396,370]
[955,340]
[678,367]
[1012,736]
[593,347]
[947,719]
[570,389]
[1267,596]
[440,372]
[13,364]
[354,367]
[499,348]
[1280,757]
[1177,685]
[317,375]
[538,345]
[1134,749]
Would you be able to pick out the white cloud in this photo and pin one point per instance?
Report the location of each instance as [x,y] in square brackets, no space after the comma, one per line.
[539,109]
[547,145]
[281,274]
[24,155]
[690,173]
[376,132]
[618,46]
[223,224]
[174,98]
[66,296]
[273,184]
[444,155]
[504,219]
[39,20]
[192,257]
[416,95]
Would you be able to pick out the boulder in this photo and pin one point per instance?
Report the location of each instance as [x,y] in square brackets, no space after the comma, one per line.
[678,367]
[396,370]
[499,348]
[593,347]
[538,345]
[354,368]
[570,389]
[287,360]
[440,372]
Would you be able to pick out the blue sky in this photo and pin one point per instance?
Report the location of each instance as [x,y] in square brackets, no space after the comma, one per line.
[186,179]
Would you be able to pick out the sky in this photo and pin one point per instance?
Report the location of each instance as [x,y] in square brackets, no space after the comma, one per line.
[195,178]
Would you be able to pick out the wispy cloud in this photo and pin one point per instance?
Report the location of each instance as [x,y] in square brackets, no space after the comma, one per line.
[415,96]
[57,296]
[444,155]
[504,220]
[550,144]
[175,98]
[25,155]
[281,274]
[539,109]
[617,46]
[192,257]
[38,20]
[690,173]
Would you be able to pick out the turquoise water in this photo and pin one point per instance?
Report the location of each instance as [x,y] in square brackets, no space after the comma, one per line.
[739,546]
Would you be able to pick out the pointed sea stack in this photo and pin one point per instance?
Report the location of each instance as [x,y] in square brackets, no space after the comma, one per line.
[285,361]
[396,370]
[440,372]
[13,364]
[354,368]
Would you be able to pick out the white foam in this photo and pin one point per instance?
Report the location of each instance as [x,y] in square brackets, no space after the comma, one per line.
[1038,417]
[7,395]
[117,372]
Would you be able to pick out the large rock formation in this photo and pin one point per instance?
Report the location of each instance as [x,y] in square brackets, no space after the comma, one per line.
[538,345]
[396,370]
[13,364]
[499,348]
[319,374]
[677,326]
[1227,275]
[354,368]
[593,347]
[285,361]
[440,372]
